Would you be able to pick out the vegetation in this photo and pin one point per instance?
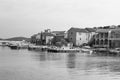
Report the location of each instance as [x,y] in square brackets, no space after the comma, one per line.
[18,39]
[60,42]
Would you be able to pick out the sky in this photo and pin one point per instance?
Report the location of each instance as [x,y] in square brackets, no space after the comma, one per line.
[28,17]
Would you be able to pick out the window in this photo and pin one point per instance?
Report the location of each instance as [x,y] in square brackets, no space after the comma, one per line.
[79,33]
[80,38]
[106,41]
[71,32]
[71,38]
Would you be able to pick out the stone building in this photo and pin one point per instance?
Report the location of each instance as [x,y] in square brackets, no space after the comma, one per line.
[58,36]
[36,39]
[79,36]
[107,38]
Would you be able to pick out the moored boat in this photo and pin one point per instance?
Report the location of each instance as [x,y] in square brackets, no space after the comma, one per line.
[14,47]
[37,48]
[63,50]
[87,51]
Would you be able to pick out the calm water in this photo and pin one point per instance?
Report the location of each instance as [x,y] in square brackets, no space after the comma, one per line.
[30,65]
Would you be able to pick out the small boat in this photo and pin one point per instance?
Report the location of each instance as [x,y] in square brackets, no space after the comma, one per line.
[115,52]
[44,48]
[37,48]
[23,46]
[87,51]
[4,44]
[14,46]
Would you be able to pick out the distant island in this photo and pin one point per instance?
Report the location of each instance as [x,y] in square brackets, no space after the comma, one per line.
[17,39]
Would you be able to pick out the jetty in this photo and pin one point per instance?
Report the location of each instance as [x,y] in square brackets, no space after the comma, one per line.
[37,48]
[18,45]
[107,52]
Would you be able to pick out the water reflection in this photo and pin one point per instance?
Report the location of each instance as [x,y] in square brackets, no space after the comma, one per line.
[71,60]
[42,57]
[57,66]
[81,62]
[54,56]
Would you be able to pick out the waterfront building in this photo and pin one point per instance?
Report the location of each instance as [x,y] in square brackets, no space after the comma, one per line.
[79,36]
[107,38]
[36,39]
[46,37]
[59,36]
[33,39]
[43,38]
[91,33]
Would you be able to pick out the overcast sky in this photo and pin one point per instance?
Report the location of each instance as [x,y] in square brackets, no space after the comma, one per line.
[27,17]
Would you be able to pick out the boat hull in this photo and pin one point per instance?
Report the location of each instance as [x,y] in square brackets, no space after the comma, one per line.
[62,51]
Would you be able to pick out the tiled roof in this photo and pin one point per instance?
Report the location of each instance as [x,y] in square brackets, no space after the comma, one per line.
[106,30]
[103,30]
[47,34]
[58,32]
[90,29]
[34,35]
[117,29]
[78,30]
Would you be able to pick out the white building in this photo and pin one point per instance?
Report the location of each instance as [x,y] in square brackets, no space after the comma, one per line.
[48,39]
[80,36]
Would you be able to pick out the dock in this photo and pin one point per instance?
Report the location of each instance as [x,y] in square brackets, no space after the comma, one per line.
[106,52]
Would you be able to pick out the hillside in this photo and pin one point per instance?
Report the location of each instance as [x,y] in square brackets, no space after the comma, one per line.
[1,39]
[18,39]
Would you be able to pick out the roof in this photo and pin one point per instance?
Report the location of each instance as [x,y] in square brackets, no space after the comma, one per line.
[90,29]
[78,30]
[106,30]
[34,35]
[47,34]
[58,32]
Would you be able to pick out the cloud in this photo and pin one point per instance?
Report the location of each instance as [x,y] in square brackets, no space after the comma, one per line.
[35,15]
